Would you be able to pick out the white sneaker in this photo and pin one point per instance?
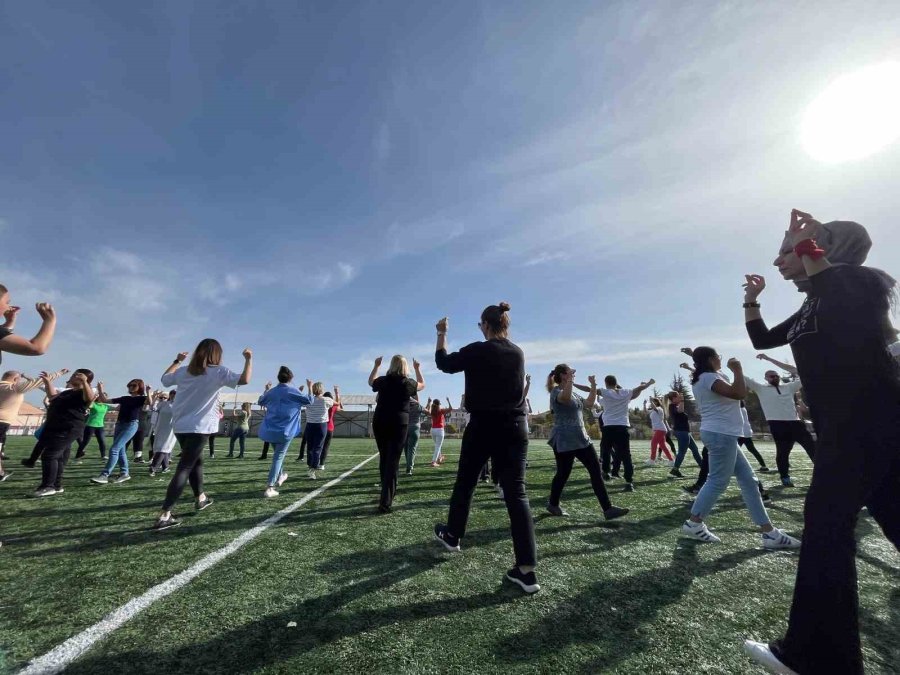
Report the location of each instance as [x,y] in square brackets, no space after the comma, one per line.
[650,462]
[761,653]
[281,479]
[778,539]
[311,473]
[499,492]
[699,531]
[270,492]
[102,479]
[671,462]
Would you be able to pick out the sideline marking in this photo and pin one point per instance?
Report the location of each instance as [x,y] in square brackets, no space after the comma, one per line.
[61,656]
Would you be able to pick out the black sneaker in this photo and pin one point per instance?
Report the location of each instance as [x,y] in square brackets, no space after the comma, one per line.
[262,457]
[27,462]
[443,535]
[614,512]
[79,455]
[675,473]
[206,503]
[690,489]
[787,482]
[165,524]
[629,487]
[527,582]
[556,510]
[764,469]
[383,508]
[615,474]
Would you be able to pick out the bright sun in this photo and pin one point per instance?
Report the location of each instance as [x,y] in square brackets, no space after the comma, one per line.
[857,115]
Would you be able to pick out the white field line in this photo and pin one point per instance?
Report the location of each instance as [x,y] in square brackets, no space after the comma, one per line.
[58,658]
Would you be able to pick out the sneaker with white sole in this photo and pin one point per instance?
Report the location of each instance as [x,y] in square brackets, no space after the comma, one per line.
[102,479]
[699,531]
[205,504]
[166,523]
[763,655]
[650,462]
[311,473]
[442,534]
[270,492]
[121,478]
[526,581]
[499,491]
[44,492]
[5,475]
[556,510]
[283,477]
[776,539]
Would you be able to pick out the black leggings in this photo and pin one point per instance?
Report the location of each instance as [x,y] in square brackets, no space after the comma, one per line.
[327,445]
[564,461]
[190,468]
[391,440]
[302,445]
[98,433]
[503,439]
[620,440]
[265,450]
[748,443]
[785,433]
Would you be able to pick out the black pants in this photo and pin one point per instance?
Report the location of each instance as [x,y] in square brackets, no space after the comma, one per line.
[98,433]
[37,450]
[857,464]
[212,444]
[704,470]
[785,433]
[564,462]
[390,437]
[190,468]
[748,443]
[503,439]
[620,440]
[56,453]
[607,453]
[239,435]
[137,441]
[327,444]
[265,450]
[490,470]
[302,445]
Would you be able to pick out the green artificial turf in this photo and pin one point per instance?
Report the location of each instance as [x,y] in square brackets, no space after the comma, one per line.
[375,594]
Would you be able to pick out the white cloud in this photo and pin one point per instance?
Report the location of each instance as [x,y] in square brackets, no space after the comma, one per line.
[420,237]
[546,257]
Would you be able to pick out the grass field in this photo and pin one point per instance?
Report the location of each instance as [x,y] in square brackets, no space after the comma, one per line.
[373,593]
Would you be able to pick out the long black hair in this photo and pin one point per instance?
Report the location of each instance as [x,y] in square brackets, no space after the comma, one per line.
[701,356]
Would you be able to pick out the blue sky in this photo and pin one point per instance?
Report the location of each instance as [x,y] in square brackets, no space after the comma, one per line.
[323,181]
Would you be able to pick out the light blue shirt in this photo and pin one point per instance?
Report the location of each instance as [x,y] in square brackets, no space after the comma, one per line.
[568,432]
[282,421]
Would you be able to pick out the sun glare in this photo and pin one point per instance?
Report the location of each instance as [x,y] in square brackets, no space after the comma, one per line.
[856,116]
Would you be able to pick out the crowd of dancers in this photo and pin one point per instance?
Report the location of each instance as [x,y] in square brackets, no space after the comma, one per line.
[842,340]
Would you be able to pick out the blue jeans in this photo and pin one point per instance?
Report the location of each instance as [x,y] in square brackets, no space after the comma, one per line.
[725,461]
[685,441]
[278,454]
[117,454]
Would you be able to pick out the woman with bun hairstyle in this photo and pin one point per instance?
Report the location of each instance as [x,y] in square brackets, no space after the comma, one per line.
[497,430]
[839,339]
[195,417]
[570,441]
[281,423]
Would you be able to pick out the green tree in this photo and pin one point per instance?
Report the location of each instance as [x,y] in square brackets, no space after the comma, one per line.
[683,388]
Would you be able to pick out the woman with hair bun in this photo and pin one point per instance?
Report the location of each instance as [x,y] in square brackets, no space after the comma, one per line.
[391,420]
[281,423]
[570,441]
[839,339]
[497,430]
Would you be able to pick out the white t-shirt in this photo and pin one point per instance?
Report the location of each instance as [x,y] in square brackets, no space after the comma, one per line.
[164,438]
[775,405]
[658,420]
[615,407]
[195,410]
[317,411]
[719,414]
[748,430]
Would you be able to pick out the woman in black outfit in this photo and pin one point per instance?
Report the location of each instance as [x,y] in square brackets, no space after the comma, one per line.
[497,430]
[391,420]
[839,340]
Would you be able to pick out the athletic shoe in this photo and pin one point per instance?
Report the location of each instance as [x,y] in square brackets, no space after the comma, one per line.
[102,479]
[121,478]
[27,462]
[614,512]
[699,531]
[763,655]
[787,482]
[212,455]
[3,456]
[442,534]
[764,469]
[615,474]
[650,462]
[79,455]
[435,465]
[777,539]
[499,490]
[166,470]
[671,462]
[59,491]
[321,468]
[270,492]
[384,508]
[44,492]
[311,473]
[206,503]
[409,472]
[675,473]
[152,473]
[262,457]
[629,487]
[283,477]
[606,476]
[485,479]
[166,523]
[527,582]
[4,476]
[555,510]
[139,460]
[690,489]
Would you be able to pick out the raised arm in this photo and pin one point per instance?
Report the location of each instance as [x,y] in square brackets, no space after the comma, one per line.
[375,366]
[179,359]
[102,396]
[565,390]
[449,405]
[447,363]
[48,385]
[527,385]
[247,373]
[592,395]
[40,343]
[420,379]
[761,336]
[26,384]
[638,390]
[337,397]
[784,366]
[737,390]
[80,381]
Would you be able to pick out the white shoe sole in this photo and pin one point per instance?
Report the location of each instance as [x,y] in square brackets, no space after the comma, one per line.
[452,549]
[699,537]
[761,653]
[525,587]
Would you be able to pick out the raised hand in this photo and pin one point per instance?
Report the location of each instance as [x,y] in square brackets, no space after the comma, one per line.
[45,309]
[592,379]
[378,361]
[686,366]
[687,350]
[527,379]
[651,382]
[64,371]
[734,365]
[247,353]
[762,357]
[802,226]
[10,315]
[753,286]
[268,386]
[442,325]
[416,364]
[181,357]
